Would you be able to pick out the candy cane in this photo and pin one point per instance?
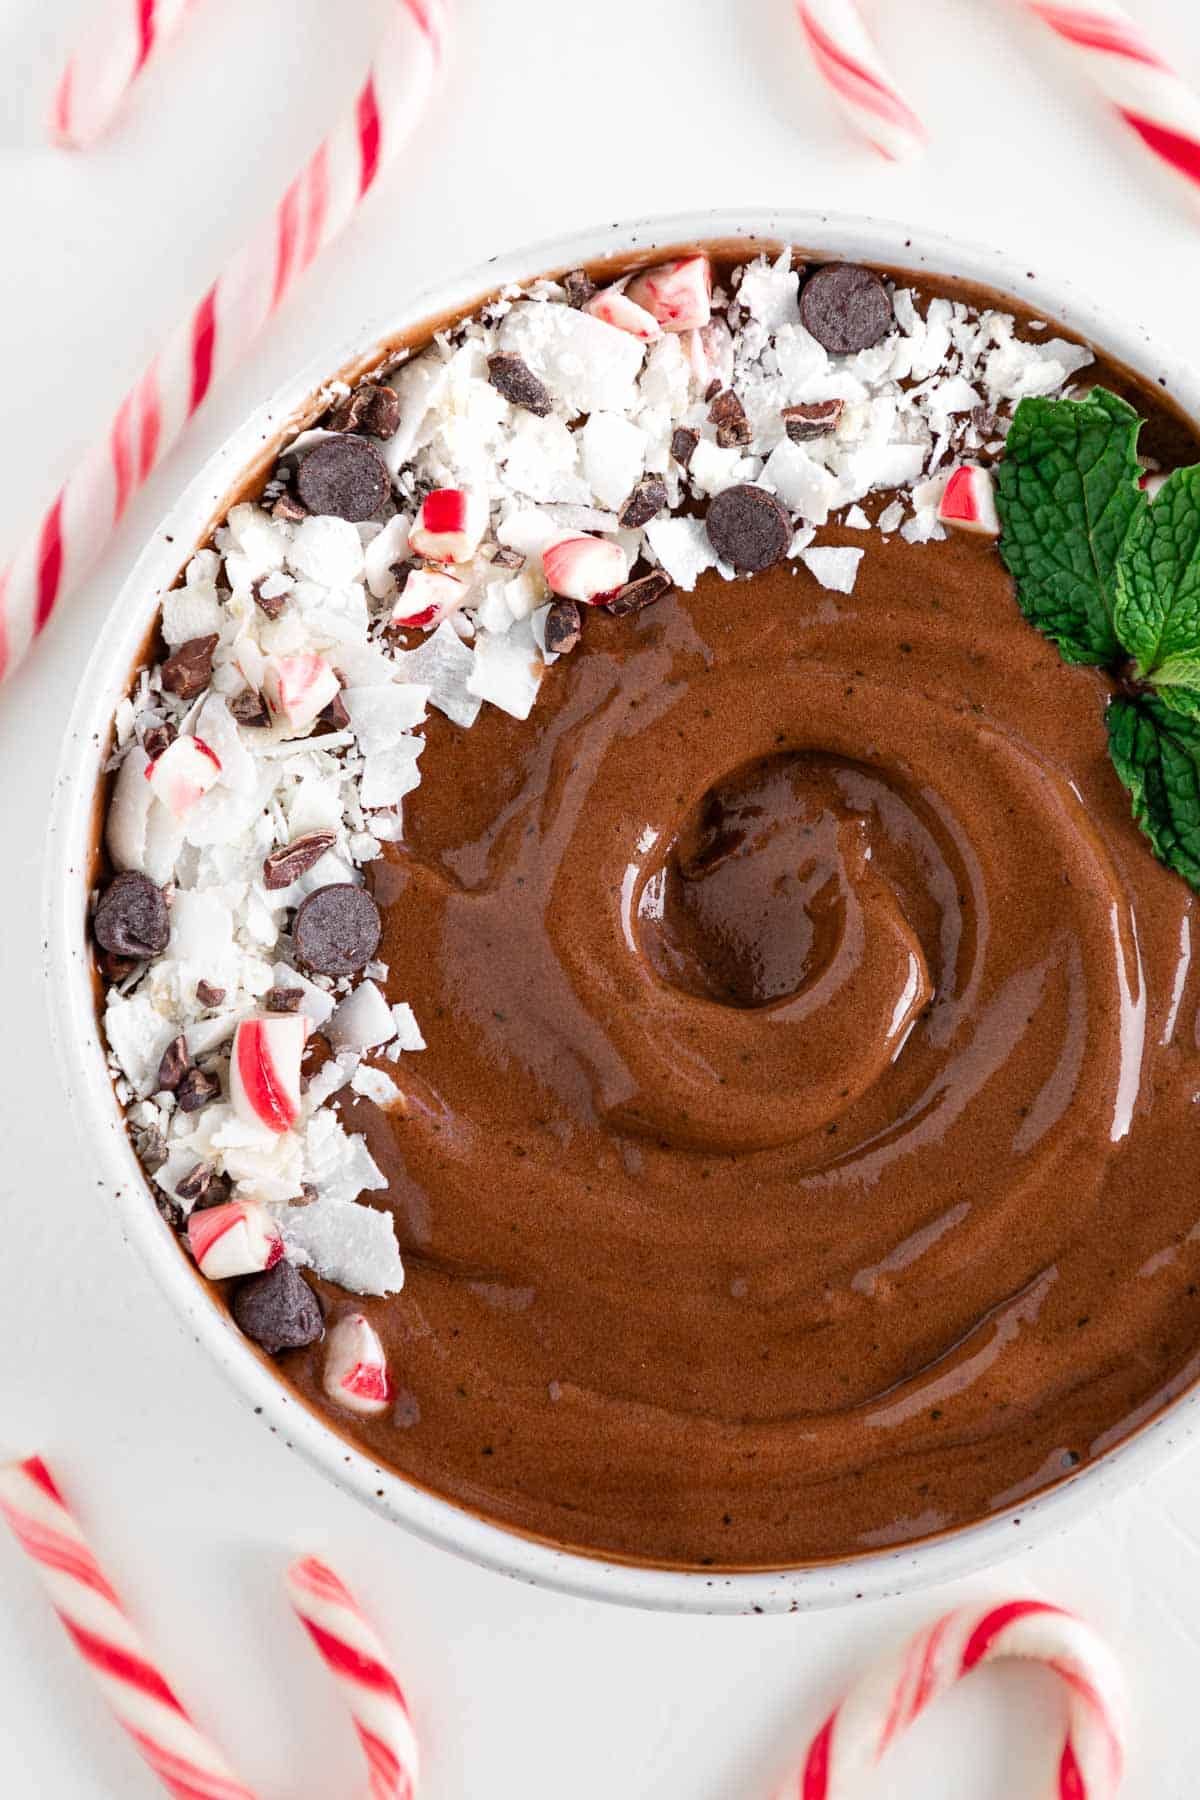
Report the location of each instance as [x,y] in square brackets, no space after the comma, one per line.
[315,208]
[849,63]
[1114,53]
[187,1764]
[357,1661]
[119,47]
[887,1698]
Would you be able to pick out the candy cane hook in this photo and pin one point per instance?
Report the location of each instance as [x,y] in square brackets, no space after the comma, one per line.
[885,1699]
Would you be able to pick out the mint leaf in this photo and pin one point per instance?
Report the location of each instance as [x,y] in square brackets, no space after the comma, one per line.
[1157,609]
[1067,491]
[1156,752]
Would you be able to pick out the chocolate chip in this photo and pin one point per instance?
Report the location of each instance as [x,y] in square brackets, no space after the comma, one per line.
[196,1182]
[336,930]
[563,627]
[131,917]
[196,1090]
[501,557]
[188,670]
[729,416]
[157,738]
[648,498]
[512,376]
[249,708]
[151,1147]
[335,713]
[642,592]
[270,604]
[208,995]
[278,1310]
[846,308]
[176,1061]
[748,527]
[287,507]
[287,864]
[343,478]
[283,999]
[814,420]
[683,444]
[579,287]
[373,408]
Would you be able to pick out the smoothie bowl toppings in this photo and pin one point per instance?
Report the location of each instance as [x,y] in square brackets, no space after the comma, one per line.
[640,496]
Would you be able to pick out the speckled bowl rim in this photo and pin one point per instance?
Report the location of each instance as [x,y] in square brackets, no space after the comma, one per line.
[91,1100]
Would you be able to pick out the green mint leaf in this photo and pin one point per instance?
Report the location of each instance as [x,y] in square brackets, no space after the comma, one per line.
[1157,609]
[1156,752]
[1067,492]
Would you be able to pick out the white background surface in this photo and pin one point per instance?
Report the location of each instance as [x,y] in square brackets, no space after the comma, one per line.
[554,116]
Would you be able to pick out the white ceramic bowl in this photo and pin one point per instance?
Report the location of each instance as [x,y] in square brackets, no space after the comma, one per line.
[90,1096]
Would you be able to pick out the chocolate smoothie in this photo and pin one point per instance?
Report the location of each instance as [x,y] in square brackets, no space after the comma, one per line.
[800,1162]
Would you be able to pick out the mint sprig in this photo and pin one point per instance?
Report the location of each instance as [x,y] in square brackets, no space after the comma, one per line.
[1157,610]
[1156,752]
[1068,494]
[1115,581]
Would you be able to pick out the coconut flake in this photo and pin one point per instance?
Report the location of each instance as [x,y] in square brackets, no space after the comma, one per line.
[352,1245]
[376,1086]
[507,670]
[834,567]
[683,549]
[382,717]
[362,1021]
[444,665]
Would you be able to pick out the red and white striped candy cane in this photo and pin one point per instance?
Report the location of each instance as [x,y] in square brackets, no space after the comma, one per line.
[187,1764]
[1114,53]
[119,47]
[886,1699]
[356,1659]
[866,93]
[315,208]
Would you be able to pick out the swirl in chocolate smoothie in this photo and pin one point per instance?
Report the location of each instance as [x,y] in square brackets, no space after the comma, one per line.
[800,1159]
